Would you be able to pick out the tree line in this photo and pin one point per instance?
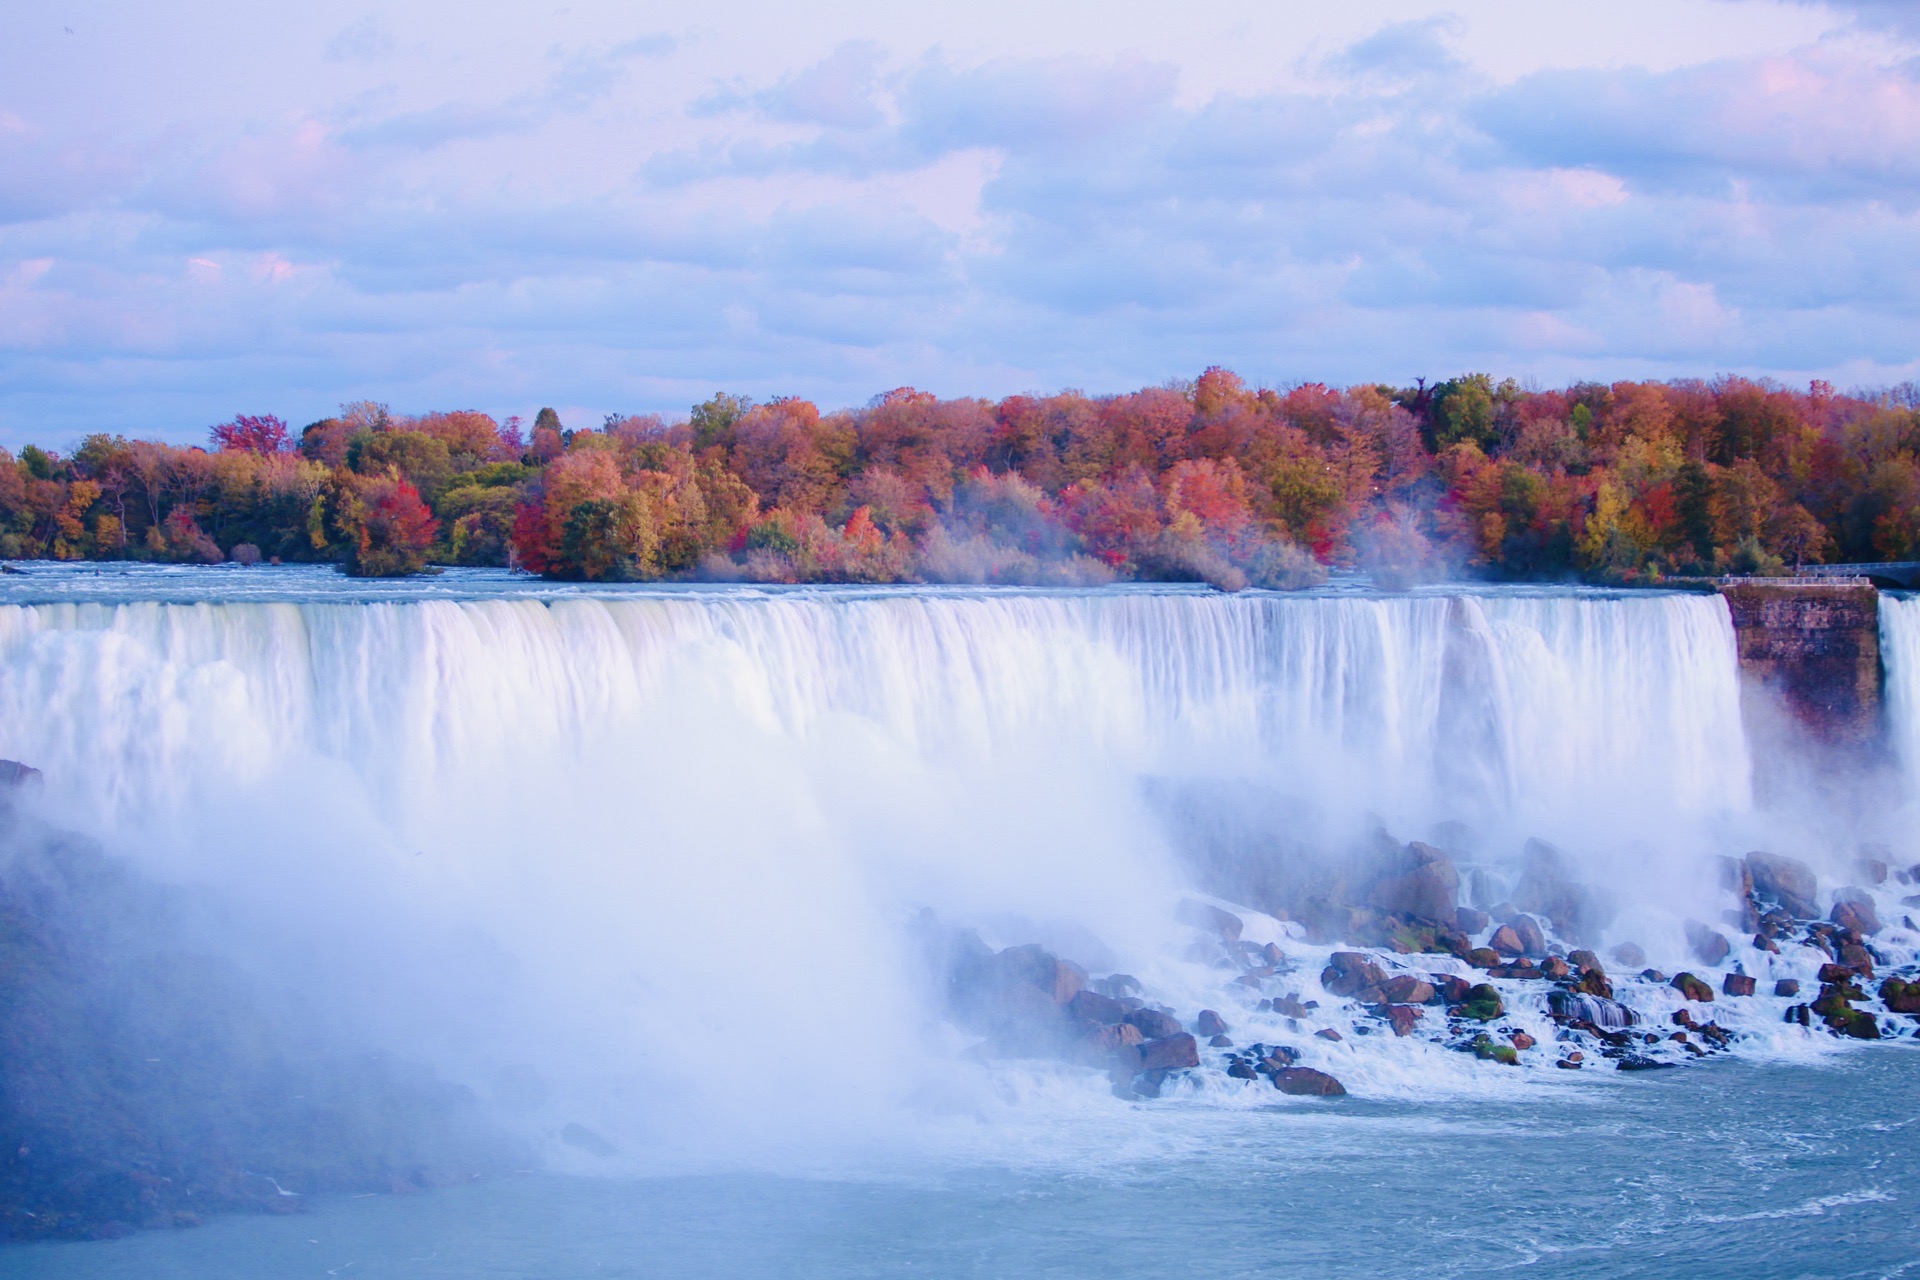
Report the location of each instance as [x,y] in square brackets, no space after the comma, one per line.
[1210,481]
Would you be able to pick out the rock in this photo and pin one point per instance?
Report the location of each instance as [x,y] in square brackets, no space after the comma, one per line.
[1118,985]
[1348,973]
[1059,979]
[1483,958]
[1556,968]
[1205,916]
[1630,955]
[1328,1033]
[1291,1007]
[1306,1082]
[1169,1053]
[1858,958]
[1404,988]
[1786,881]
[1682,1017]
[1872,870]
[1737,984]
[1692,988]
[1486,1048]
[1567,1064]
[1709,945]
[1403,1018]
[1533,939]
[1467,920]
[15,776]
[1273,955]
[1787,987]
[1860,1025]
[1522,1041]
[1426,886]
[1584,959]
[1853,909]
[1210,1023]
[1597,1011]
[1095,1009]
[1653,975]
[1104,1045]
[1241,1069]
[1900,996]
[1220,1042]
[1482,1004]
[1837,974]
[1155,1024]
[1506,941]
[1594,983]
[1634,1062]
[1547,887]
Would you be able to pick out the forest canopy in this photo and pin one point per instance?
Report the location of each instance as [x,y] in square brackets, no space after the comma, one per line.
[1210,481]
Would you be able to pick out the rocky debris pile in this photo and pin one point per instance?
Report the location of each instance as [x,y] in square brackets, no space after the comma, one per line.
[1503,985]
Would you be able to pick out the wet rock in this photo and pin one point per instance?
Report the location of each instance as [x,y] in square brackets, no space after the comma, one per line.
[1787,987]
[1241,1069]
[1853,909]
[1533,939]
[1487,1049]
[1900,996]
[1837,974]
[1220,1042]
[1328,1033]
[1210,1023]
[1584,959]
[1403,1018]
[1653,975]
[1290,1006]
[1634,1062]
[1596,1011]
[1482,1004]
[1594,982]
[1483,958]
[1169,1053]
[1858,1024]
[1205,916]
[1468,920]
[1273,955]
[1547,887]
[1737,984]
[1692,988]
[1306,1082]
[1630,955]
[1786,881]
[1683,1017]
[1095,1009]
[1451,990]
[1556,968]
[1404,988]
[1424,886]
[1858,958]
[1522,1041]
[1349,973]
[1709,946]
[1118,985]
[1506,941]
[1155,1024]
[1568,1064]
[1761,942]
[1111,1039]
[1872,870]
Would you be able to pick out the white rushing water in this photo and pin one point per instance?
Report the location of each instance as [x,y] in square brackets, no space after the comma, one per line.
[667,844]
[1900,658]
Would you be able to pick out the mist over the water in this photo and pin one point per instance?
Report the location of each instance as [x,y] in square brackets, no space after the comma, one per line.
[650,864]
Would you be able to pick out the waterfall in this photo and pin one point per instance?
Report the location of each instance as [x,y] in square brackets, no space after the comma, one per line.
[685,829]
[1900,658]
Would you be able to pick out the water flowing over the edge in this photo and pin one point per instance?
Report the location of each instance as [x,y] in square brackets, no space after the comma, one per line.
[1900,659]
[658,830]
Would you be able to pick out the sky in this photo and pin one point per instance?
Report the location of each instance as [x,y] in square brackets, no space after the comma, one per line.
[623,207]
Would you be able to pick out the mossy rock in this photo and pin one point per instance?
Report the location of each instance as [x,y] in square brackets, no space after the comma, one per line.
[1482,1003]
[1487,1049]
[1692,988]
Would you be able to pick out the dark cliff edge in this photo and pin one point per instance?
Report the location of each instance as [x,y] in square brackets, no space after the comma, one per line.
[1815,646]
[145,1083]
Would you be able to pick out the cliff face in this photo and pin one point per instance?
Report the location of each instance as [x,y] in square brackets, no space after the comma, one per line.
[1817,647]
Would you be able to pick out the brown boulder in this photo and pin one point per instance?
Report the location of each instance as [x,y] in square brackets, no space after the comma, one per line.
[1328,1033]
[1737,984]
[1709,945]
[1467,920]
[1155,1024]
[1406,989]
[1692,988]
[1096,1009]
[1521,1040]
[1852,909]
[1403,1018]
[1307,1082]
[1506,940]
[1554,967]
[1205,916]
[1533,939]
[1348,973]
[1901,997]
[1787,881]
[1104,1042]
[1837,974]
[1483,958]
[1290,1006]
[1787,987]
[1210,1023]
[1630,955]
[1428,887]
[1169,1053]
